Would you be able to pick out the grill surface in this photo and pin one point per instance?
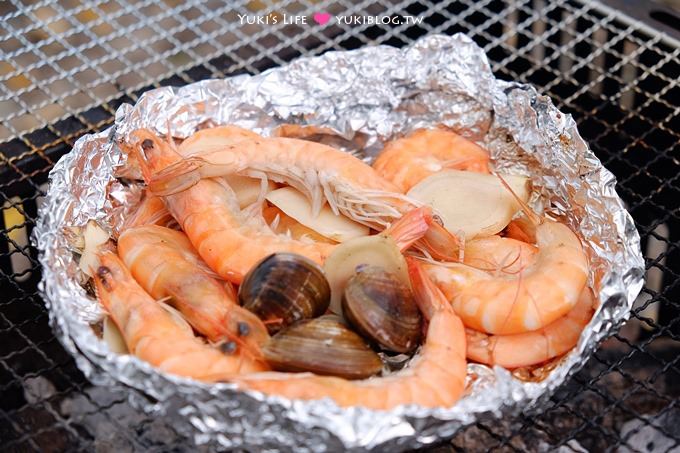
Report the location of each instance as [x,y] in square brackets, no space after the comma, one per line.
[67,65]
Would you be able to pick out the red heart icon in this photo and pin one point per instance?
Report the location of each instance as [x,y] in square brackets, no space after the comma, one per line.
[321,18]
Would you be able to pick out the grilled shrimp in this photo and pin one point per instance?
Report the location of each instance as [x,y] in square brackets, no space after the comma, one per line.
[408,160]
[510,255]
[231,241]
[156,336]
[531,348]
[435,377]
[164,262]
[322,173]
[530,297]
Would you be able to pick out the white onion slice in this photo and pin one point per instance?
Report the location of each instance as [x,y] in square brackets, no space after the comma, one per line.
[476,204]
[93,236]
[336,227]
[247,189]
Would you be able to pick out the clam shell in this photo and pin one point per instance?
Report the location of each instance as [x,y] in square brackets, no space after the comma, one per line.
[284,288]
[382,309]
[323,346]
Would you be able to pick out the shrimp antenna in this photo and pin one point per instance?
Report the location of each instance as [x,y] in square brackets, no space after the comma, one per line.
[531,215]
[169,140]
[498,267]
[442,244]
[428,297]
[137,150]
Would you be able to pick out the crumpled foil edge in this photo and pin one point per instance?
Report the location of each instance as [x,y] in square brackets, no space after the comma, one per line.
[365,96]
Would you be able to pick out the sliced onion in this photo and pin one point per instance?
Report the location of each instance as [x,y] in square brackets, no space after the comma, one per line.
[475,204]
[93,236]
[247,189]
[336,227]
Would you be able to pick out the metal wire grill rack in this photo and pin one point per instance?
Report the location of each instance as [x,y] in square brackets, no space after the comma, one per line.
[67,65]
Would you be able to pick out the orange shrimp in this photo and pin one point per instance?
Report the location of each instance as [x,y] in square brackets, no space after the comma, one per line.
[229,240]
[155,335]
[434,378]
[529,298]
[531,348]
[165,263]
[509,256]
[322,173]
[408,160]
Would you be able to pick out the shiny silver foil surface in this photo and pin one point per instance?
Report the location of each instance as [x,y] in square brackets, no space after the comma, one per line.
[356,100]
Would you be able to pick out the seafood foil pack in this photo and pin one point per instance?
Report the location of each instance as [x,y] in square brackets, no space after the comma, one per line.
[355,101]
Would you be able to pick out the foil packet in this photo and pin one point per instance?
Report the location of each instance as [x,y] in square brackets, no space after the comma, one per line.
[354,100]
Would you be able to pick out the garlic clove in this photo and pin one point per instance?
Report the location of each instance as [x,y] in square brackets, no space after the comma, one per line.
[343,262]
[94,236]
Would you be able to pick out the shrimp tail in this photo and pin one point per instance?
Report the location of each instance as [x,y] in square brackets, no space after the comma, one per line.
[441,244]
[420,225]
[428,297]
[517,229]
[410,227]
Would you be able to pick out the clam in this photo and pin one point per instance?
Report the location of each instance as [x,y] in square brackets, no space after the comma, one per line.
[323,346]
[382,309]
[284,288]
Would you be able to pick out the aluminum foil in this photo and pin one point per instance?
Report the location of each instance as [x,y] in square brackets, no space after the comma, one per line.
[357,100]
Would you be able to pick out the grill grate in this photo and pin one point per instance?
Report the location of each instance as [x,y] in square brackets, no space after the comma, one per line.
[67,65]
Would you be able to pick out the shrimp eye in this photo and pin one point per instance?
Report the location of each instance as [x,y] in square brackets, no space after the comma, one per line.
[229,347]
[147,144]
[243,329]
[103,273]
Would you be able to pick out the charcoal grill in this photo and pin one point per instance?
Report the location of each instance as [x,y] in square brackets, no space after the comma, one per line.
[67,65]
